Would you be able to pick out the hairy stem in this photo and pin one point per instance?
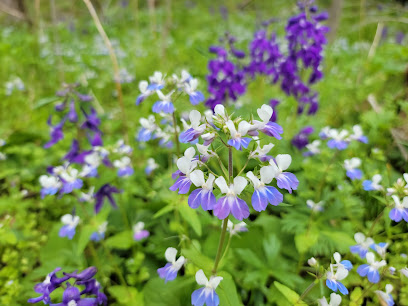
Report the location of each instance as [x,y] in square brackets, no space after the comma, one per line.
[115,65]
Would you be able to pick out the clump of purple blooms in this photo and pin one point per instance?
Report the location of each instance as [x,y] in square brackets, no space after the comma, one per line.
[91,293]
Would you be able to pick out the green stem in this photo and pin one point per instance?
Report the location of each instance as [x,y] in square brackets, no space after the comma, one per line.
[226,248]
[375,222]
[244,167]
[176,138]
[220,245]
[308,289]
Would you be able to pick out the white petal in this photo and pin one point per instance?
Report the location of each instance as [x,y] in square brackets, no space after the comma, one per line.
[310,203]
[405,175]
[220,110]
[162,97]
[222,184]
[359,238]
[202,149]
[170,254]
[143,86]
[189,153]
[201,279]
[197,177]
[405,202]
[335,299]
[337,257]
[341,273]
[370,257]
[388,288]
[283,161]
[377,178]
[179,263]
[184,163]
[396,200]
[265,113]
[267,174]
[67,219]
[243,127]
[230,125]
[273,168]
[195,118]
[254,179]
[239,184]
[215,281]
[210,181]
[355,162]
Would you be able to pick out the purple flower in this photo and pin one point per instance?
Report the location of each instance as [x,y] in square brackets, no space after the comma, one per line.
[124,166]
[237,140]
[204,195]
[231,203]
[302,138]
[399,37]
[164,104]
[169,271]
[72,114]
[371,269]
[74,155]
[264,194]
[96,141]
[92,121]
[285,180]
[106,191]
[56,133]
[68,230]
[274,103]
[400,211]
[139,232]
[206,295]
[195,130]
[45,288]
[186,165]
[84,275]
[100,234]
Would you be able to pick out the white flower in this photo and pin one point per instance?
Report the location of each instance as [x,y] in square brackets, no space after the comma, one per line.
[236,228]
[353,163]
[335,300]
[313,147]
[315,206]
[49,182]
[211,284]
[312,262]
[70,220]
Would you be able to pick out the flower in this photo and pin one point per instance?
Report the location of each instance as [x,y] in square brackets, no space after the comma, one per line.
[139,232]
[335,300]
[404,271]
[233,229]
[264,194]
[400,211]
[68,230]
[338,139]
[84,275]
[106,191]
[156,81]
[186,165]
[50,185]
[346,264]
[313,148]
[151,166]
[124,166]
[92,121]
[266,126]
[315,206]
[205,154]
[169,271]
[100,234]
[195,130]
[301,140]
[148,129]
[358,134]
[363,244]
[286,180]
[190,88]
[380,248]
[351,165]
[333,279]
[374,184]
[145,92]
[312,262]
[400,186]
[261,152]
[69,179]
[56,133]
[238,141]
[202,196]
[386,296]
[231,203]
[50,283]
[74,155]
[207,294]
[371,269]
[164,104]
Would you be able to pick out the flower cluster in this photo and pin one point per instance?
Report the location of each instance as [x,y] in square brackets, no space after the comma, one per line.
[90,295]
[238,134]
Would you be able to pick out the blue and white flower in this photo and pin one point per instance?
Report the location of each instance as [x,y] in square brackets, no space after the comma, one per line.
[263,195]
[195,129]
[190,88]
[231,203]
[170,270]
[204,194]
[351,165]
[371,268]
[238,141]
[100,233]
[400,211]
[267,127]
[148,129]
[285,180]
[363,245]
[206,295]
[315,206]
[374,184]
[151,166]
[180,82]
[334,278]
[50,185]
[124,166]
[156,81]
[380,248]
[262,152]
[313,148]
[335,300]
[358,134]
[88,197]
[346,264]
[70,223]
[234,229]
[139,231]
[338,139]
[164,104]
[204,153]
[186,165]
[386,296]
[69,178]
[145,92]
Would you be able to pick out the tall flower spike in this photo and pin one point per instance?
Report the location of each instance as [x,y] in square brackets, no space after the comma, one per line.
[164,104]
[400,211]
[267,127]
[68,230]
[264,194]
[363,244]
[169,271]
[238,141]
[286,180]
[202,196]
[195,130]
[371,269]
[207,294]
[230,203]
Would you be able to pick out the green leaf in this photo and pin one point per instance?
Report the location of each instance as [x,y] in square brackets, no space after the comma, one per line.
[83,240]
[190,215]
[176,293]
[342,240]
[227,292]
[306,240]
[271,247]
[250,258]
[45,101]
[127,295]
[163,211]
[123,241]
[289,294]
[198,259]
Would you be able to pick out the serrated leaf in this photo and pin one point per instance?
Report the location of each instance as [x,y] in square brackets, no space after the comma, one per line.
[190,215]
[289,294]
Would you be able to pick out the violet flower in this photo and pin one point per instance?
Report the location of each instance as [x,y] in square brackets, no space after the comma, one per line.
[106,191]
